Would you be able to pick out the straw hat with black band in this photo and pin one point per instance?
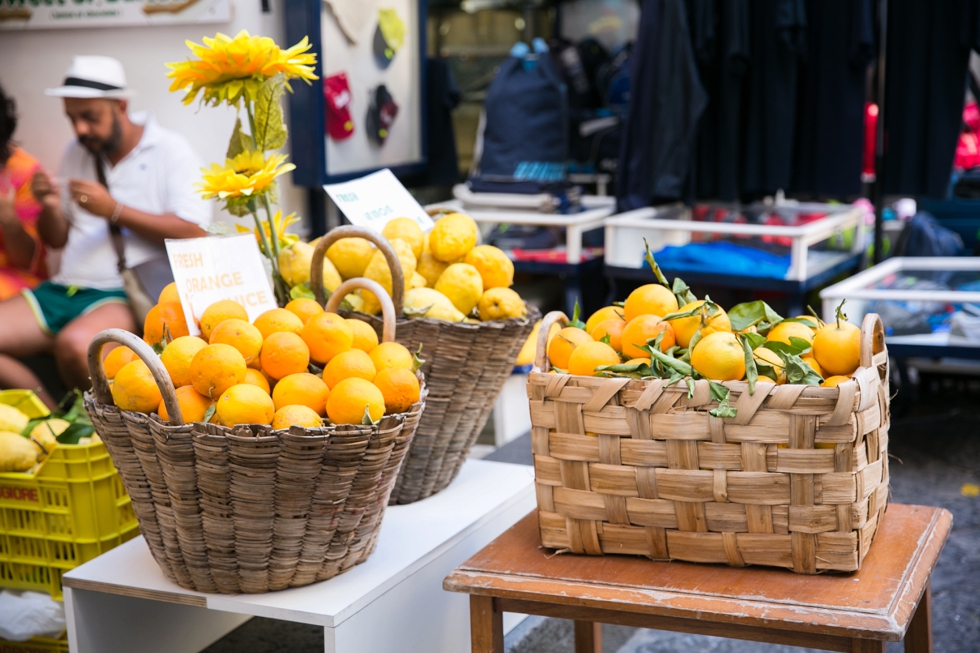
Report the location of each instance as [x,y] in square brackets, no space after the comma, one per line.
[93,76]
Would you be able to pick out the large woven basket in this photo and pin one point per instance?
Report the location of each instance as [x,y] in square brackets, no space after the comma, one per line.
[797,479]
[466,367]
[248,509]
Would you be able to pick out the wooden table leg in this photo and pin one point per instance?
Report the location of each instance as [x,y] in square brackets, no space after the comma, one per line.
[486,625]
[588,637]
[918,637]
[867,646]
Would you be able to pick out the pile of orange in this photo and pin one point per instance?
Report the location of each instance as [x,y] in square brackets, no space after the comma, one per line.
[292,366]
[700,337]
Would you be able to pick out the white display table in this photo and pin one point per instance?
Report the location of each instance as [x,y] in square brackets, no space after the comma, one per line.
[122,602]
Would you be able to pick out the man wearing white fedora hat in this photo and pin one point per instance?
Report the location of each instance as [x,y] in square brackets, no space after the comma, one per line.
[125,184]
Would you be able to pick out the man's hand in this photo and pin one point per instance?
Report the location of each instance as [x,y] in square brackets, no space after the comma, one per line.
[92,196]
[44,189]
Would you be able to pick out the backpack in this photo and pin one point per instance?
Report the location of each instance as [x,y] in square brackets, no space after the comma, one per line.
[924,236]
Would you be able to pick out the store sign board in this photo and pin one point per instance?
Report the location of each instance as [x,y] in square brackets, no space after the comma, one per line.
[207,270]
[374,200]
[54,14]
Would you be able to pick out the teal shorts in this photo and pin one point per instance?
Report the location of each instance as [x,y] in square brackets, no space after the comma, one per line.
[54,305]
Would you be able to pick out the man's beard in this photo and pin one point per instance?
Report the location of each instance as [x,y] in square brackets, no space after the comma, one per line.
[97,145]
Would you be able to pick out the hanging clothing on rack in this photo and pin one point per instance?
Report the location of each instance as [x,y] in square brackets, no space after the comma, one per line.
[829,135]
[778,33]
[721,40]
[928,50]
[666,103]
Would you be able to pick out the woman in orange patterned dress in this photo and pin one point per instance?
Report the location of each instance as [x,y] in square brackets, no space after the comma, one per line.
[21,251]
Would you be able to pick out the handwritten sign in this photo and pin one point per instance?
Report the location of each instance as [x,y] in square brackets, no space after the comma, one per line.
[72,14]
[376,199]
[207,270]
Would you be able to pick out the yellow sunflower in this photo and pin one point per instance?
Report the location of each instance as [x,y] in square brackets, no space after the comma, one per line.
[247,175]
[281,223]
[229,69]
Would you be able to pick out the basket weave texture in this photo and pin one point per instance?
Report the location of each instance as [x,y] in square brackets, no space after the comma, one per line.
[466,365]
[797,479]
[248,509]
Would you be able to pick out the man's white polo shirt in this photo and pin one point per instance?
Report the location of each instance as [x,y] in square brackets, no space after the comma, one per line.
[157,177]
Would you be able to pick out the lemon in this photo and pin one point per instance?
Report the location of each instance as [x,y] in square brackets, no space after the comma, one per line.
[355,301]
[462,284]
[377,270]
[350,256]
[295,262]
[46,433]
[452,237]
[17,453]
[12,419]
[501,304]
[530,348]
[495,267]
[408,230]
[417,281]
[430,268]
[427,302]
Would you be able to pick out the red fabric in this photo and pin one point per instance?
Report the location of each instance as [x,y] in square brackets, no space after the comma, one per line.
[336,91]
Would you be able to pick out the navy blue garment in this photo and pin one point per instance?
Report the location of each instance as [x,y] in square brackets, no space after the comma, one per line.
[929,46]
[778,35]
[924,236]
[525,138]
[829,139]
[666,102]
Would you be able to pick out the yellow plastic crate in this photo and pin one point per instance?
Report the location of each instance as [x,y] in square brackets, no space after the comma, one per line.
[72,508]
[36,645]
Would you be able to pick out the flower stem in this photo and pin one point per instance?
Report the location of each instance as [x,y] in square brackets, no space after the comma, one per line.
[271,252]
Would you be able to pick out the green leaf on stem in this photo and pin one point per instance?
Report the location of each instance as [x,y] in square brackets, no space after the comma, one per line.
[240,141]
[751,371]
[576,320]
[683,292]
[758,314]
[301,291]
[721,394]
[799,373]
[270,130]
[648,257]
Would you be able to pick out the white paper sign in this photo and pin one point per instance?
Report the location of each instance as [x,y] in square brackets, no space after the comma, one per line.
[375,200]
[72,14]
[207,270]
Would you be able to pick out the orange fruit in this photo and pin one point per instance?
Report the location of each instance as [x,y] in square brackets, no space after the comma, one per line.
[602,315]
[163,319]
[303,389]
[353,363]
[390,355]
[812,362]
[115,359]
[400,388]
[284,353]
[245,404]
[838,349]
[304,308]
[836,380]
[177,357]
[772,359]
[218,312]
[242,336]
[169,294]
[365,337]
[719,357]
[651,299]
[296,416]
[134,388]
[560,347]
[612,328]
[351,398]
[591,355]
[278,320]
[193,405]
[686,327]
[327,335]
[635,361]
[783,331]
[643,328]
[257,378]
[216,368]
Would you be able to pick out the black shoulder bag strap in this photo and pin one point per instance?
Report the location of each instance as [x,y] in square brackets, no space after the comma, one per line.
[115,233]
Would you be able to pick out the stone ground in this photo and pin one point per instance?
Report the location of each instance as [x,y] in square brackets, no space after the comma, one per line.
[935,449]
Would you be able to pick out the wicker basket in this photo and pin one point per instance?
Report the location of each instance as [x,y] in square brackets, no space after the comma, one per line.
[797,479]
[248,509]
[466,366]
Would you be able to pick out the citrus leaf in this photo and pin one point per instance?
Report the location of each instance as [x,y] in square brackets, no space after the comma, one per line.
[631,370]
[721,394]
[758,314]
[366,420]
[690,387]
[671,363]
[76,431]
[754,339]
[301,291]
[576,320]
[648,257]
[417,360]
[751,371]
[209,413]
[606,339]
[240,141]
[808,321]
[799,373]
[619,304]
[682,292]
[270,131]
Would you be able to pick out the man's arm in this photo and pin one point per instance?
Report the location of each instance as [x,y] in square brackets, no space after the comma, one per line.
[94,198]
[52,226]
[19,244]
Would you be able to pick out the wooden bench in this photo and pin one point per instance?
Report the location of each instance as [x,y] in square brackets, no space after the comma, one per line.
[886,600]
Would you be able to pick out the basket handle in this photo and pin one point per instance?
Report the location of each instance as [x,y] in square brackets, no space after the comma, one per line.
[541,357]
[872,339]
[100,384]
[387,307]
[350,231]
